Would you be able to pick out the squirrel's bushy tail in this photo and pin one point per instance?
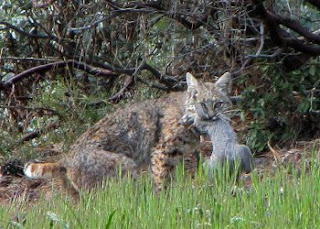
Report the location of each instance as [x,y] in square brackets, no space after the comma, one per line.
[49,170]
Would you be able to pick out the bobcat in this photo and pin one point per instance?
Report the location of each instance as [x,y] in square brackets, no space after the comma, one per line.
[140,133]
[209,116]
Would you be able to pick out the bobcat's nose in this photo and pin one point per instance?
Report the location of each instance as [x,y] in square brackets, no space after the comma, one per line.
[211,113]
[206,110]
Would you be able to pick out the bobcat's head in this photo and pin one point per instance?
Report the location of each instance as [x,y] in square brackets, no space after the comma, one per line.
[206,101]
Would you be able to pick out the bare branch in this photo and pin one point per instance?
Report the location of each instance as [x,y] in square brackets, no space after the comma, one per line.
[265,56]
[295,26]
[41,109]
[42,3]
[281,37]
[129,80]
[118,95]
[10,26]
[109,17]
[156,5]
[32,59]
[59,64]
[153,85]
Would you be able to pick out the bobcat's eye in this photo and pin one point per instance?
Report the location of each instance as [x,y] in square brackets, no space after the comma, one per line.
[203,105]
[217,104]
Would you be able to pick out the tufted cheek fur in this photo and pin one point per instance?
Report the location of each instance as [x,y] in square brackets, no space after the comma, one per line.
[202,98]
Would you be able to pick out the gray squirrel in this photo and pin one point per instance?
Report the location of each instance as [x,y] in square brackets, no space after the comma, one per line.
[209,117]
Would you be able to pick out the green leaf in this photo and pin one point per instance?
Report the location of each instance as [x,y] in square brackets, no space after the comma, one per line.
[109,221]
[312,70]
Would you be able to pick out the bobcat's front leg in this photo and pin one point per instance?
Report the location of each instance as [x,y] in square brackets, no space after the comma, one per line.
[160,168]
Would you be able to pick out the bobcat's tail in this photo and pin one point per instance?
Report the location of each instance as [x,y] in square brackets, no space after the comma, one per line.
[43,170]
[49,170]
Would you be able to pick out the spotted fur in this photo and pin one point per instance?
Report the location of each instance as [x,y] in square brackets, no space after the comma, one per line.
[150,132]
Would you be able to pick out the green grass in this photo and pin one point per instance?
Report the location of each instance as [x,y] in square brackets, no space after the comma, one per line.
[281,201]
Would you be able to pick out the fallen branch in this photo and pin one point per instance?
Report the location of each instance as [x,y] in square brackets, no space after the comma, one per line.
[60,64]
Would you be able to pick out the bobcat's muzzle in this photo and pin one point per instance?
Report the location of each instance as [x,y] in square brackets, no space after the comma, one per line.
[206,110]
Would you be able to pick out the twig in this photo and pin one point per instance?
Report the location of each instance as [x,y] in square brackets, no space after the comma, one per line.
[261,39]
[275,54]
[53,112]
[156,5]
[37,133]
[119,94]
[27,59]
[129,80]
[113,15]
[274,152]
[153,85]
[250,59]
[10,26]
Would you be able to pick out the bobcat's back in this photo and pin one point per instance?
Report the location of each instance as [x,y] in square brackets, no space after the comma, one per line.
[123,141]
[150,132]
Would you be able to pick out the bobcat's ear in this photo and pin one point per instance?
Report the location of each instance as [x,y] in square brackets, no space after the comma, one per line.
[192,82]
[224,83]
